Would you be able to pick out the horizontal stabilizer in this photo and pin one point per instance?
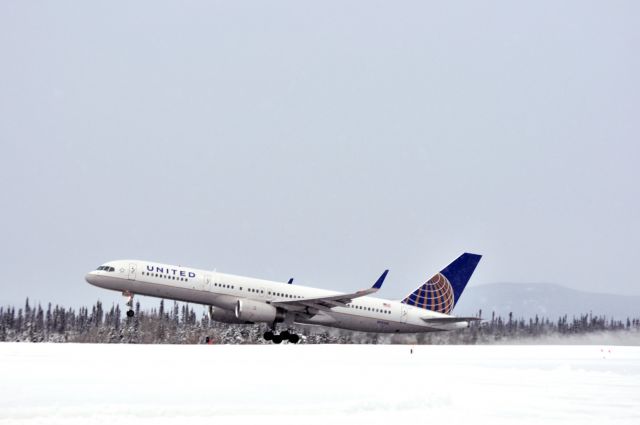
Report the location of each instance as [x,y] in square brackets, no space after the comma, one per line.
[442,320]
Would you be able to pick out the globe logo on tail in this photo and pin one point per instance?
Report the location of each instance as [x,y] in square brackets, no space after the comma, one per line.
[435,295]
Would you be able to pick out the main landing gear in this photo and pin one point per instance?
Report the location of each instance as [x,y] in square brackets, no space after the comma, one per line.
[282,336]
[129,303]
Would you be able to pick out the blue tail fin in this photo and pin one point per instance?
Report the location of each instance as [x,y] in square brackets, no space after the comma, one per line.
[442,291]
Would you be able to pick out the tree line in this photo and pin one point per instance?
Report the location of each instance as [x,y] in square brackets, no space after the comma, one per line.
[179,324]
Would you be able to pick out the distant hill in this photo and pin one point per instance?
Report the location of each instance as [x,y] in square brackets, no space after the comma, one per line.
[544,299]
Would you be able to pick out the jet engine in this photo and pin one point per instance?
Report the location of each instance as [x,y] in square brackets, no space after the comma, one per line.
[256,311]
[224,316]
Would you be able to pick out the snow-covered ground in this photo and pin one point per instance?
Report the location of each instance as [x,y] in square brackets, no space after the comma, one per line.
[318,384]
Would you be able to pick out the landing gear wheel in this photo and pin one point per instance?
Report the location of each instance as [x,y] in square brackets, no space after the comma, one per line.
[285,334]
[277,339]
[129,296]
[293,338]
[268,335]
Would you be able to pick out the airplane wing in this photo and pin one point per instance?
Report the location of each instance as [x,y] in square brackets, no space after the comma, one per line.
[444,320]
[325,303]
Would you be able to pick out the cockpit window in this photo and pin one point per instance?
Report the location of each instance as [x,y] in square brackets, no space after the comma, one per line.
[106,268]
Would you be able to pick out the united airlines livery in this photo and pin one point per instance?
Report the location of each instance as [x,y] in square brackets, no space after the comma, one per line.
[244,300]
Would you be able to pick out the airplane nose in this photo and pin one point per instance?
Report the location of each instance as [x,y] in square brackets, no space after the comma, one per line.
[91,278]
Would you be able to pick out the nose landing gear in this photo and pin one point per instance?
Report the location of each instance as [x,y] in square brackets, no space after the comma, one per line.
[129,303]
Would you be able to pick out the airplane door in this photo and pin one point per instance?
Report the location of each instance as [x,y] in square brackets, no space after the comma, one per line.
[132,271]
[208,282]
[403,314]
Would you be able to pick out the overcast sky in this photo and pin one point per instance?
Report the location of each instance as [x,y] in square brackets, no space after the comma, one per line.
[322,140]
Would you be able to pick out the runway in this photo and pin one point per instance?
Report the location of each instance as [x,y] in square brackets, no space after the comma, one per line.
[318,384]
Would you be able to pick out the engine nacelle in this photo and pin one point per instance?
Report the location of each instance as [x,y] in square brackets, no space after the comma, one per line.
[257,311]
[224,316]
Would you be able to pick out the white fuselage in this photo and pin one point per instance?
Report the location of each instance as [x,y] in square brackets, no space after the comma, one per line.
[222,291]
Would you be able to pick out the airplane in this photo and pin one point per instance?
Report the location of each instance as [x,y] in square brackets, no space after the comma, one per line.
[244,300]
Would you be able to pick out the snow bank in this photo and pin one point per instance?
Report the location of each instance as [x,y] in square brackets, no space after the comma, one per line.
[318,384]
